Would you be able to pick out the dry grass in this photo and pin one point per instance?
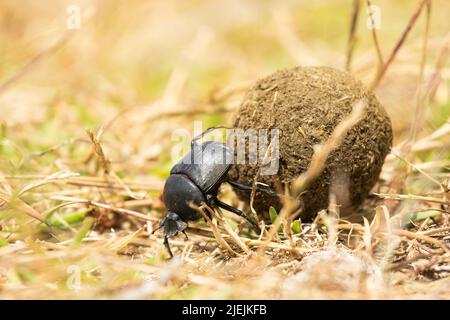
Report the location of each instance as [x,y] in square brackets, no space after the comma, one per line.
[77,210]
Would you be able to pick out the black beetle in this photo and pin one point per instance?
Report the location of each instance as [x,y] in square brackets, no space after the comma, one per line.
[196,180]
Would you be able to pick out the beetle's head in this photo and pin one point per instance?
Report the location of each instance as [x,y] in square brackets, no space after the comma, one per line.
[171,225]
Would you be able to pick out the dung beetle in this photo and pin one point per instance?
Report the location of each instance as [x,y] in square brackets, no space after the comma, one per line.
[196,179]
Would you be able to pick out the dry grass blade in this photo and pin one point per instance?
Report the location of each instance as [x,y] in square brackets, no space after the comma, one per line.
[426,35]
[367,237]
[214,228]
[65,178]
[412,197]
[422,91]
[419,236]
[106,163]
[400,232]
[420,171]
[431,141]
[7,197]
[123,242]
[375,39]
[21,205]
[128,212]
[382,220]
[98,150]
[4,185]
[232,234]
[58,176]
[322,152]
[439,66]
[33,62]
[267,155]
[282,217]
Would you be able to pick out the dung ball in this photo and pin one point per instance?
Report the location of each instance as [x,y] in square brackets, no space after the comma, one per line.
[306,104]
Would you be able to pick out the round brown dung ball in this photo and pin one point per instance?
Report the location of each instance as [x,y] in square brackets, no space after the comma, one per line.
[306,104]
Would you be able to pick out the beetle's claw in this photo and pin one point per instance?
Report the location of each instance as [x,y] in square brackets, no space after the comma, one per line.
[186,238]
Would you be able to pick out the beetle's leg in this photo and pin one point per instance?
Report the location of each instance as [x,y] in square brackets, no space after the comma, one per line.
[185,236]
[246,187]
[166,243]
[154,230]
[205,132]
[227,207]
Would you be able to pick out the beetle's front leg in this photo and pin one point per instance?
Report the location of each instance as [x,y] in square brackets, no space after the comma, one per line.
[166,244]
[246,187]
[227,207]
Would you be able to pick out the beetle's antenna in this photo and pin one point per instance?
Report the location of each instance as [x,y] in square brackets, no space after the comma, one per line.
[206,132]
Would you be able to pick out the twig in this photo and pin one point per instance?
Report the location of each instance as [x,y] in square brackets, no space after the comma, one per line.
[352,34]
[398,45]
